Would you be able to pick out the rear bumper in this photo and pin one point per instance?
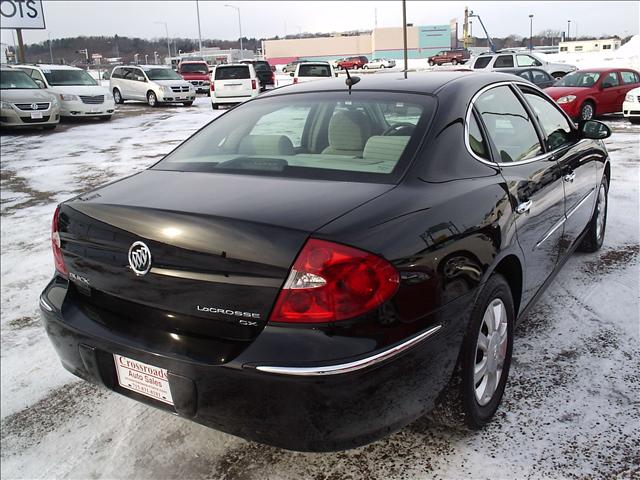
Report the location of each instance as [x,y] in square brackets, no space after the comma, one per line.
[231,100]
[302,411]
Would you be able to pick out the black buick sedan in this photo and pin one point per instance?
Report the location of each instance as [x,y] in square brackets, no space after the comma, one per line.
[322,265]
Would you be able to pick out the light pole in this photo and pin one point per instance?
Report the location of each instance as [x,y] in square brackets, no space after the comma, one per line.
[199,31]
[135,58]
[155,57]
[568,29]
[146,59]
[404,36]
[166,29]
[50,49]
[239,23]
[530,32]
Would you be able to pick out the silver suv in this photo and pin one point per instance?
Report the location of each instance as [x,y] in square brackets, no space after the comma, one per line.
[513,59]
[154,84]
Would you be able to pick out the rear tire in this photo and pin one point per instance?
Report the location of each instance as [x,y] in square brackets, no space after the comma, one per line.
[476,388]
[596,229]
[454,61]
[152,100]
[431,63]
[117,96]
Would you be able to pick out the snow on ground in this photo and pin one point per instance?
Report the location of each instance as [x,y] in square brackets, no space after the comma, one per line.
[571,407]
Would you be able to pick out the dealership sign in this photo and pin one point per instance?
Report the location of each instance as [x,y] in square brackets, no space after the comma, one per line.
[27,14]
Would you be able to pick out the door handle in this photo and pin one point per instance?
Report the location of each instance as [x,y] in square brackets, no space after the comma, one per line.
[569,177]
[524,207]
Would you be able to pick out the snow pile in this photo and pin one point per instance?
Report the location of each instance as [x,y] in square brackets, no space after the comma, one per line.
[627,56]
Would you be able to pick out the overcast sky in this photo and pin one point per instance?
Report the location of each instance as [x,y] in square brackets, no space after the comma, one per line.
[269,18]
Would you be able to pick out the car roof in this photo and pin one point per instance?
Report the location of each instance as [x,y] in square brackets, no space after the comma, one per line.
[47,66]
[222,65]
[192,61]
[604,69]
[418,82]
[310,62]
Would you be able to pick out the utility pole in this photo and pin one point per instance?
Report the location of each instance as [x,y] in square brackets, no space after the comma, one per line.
[21,58]
[568,29]
[50,49]
[199,31]
[530,32]
[404,34]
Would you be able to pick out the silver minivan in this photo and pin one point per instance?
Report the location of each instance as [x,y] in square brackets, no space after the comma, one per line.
[154,84]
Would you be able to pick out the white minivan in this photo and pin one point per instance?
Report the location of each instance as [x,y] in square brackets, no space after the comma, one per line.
[153,84]
[78,94]
[309,71]
[233,83]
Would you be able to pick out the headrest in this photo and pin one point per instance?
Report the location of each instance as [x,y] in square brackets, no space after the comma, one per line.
[266,145]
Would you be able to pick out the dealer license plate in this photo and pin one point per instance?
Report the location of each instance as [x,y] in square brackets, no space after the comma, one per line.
[143,378]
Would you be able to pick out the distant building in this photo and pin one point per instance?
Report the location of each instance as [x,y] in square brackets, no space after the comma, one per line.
[600,45]
[422,42]
[213,56]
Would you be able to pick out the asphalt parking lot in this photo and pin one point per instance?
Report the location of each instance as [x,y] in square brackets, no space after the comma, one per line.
[571,408]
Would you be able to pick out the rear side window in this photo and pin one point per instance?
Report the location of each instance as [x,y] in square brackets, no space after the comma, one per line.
[610,80]
[555,125]
[504,61]
[508,125]
[629,77]
[525,74]
[527,61]
[117,73]
[314,71]
[540,76]
[232,73]
[476,141]
[482,62]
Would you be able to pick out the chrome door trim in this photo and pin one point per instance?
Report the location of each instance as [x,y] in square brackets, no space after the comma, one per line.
[580,203]
[351,366]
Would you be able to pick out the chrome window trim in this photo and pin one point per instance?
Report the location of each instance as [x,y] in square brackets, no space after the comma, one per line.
[351,366]
[544,156]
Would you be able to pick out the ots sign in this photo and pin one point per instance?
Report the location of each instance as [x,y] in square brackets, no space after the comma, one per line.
[27,14]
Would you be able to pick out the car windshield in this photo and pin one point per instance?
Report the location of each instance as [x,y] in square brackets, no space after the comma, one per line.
[194,68]
[15,79]
[312,70]
[68,77]
[578,79]
[162,74]
[232,73]
[368,136]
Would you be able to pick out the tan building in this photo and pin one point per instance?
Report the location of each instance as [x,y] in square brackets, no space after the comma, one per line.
[600,45]
[422,41]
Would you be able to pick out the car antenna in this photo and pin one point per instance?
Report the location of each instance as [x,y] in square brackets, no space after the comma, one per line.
[350,81]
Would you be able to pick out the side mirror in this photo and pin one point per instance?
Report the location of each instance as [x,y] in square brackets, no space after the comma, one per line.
[40,83]
[292,74]
[594,130]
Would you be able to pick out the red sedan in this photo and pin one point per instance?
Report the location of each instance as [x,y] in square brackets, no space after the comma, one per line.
[584,94]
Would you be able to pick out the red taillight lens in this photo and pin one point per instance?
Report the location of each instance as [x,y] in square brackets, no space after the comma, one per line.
[273,77]
[213,86]
[330,282]
[253,84]
[295,79]
[55,245]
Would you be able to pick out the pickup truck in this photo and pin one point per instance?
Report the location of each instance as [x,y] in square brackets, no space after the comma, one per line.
[449,56]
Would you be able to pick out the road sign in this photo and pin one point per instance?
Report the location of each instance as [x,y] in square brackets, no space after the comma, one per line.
[26,14]
[96,56]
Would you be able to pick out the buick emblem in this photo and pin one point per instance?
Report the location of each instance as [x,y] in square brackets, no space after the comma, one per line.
[34,106]
[139,258]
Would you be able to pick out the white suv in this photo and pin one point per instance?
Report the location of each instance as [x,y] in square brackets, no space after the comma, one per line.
[154,84]
[78,94]
[310,71]
[512,59]
[233,83]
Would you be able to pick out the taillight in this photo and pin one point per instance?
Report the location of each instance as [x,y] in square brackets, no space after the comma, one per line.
[295,79]
[273,77]
[330,282]
[58,260]
[213,85]
[253,84]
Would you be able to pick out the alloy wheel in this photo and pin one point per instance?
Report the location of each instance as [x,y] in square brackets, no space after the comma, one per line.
[491,351]
[587,112]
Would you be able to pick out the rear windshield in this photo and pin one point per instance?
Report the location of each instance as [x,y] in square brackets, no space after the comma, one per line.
[314,71]
[232,73]
[367,136]
[482,62]
[68,77]
[194,68]
[262,66]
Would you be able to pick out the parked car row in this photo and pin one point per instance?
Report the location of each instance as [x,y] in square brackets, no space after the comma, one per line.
[513,59]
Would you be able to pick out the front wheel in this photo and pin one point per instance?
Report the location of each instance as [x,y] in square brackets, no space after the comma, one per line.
[187,104]
[587,110]
[594,237]
[117,96]
[152,100]
[454,62]
[476,388]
